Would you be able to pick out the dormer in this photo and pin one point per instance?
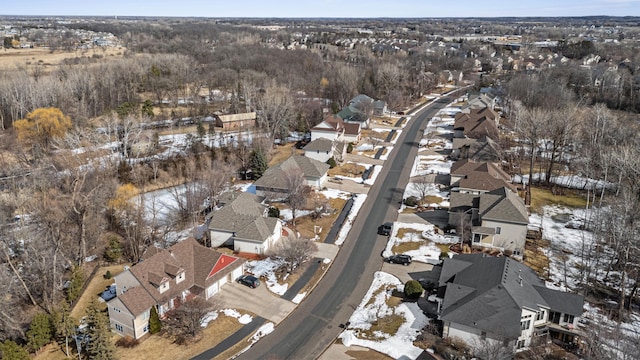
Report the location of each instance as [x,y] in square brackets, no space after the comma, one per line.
[175,272]
[160,282]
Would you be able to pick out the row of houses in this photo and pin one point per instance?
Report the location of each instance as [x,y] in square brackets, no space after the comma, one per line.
[483,299]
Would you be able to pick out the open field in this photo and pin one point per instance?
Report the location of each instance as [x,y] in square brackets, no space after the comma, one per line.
[11,59]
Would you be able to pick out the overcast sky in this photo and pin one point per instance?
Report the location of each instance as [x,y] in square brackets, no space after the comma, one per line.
[323,8]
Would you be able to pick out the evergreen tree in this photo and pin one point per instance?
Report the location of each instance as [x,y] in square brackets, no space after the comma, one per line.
[154,321]
[147,108]
[75,286]
[39,333]
[259,163]
[201,131]
[64,326]
[100,346]
[13,351]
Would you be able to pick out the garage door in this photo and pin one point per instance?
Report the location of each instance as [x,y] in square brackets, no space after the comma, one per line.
[212,290]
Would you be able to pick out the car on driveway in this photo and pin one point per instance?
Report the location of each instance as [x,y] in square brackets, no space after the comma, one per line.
[385,229]
[399,259]
[249,280]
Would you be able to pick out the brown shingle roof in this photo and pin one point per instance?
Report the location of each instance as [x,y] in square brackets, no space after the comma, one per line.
[320,144]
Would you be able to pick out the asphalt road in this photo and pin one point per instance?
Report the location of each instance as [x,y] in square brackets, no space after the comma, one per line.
[315,323]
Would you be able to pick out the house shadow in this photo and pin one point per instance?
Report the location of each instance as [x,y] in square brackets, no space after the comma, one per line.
[438,217]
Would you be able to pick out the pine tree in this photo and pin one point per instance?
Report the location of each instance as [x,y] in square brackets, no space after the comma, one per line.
[75,286]
[154,321]
[259,163]
[64,325]
[39,333]
[13,351]
[100,346]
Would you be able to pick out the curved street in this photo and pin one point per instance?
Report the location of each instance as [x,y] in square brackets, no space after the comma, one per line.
[315,323]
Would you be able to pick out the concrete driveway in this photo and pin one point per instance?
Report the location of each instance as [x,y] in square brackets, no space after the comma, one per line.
[259,301]
[403,272]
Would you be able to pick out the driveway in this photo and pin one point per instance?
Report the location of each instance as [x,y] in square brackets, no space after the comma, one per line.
[259,301]
[348,186]
[403,272]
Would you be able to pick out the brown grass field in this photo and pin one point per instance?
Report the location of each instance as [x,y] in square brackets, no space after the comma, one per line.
[11,59]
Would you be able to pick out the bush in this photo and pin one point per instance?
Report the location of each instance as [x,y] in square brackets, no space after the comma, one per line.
[411,201]
[332,163]
[412,289]
[127,342]
[154,321]
[350,148]
[274,212]
[444,255]
[108,275]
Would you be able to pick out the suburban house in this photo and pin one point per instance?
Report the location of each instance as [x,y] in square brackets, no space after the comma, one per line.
[273,181]
[334,128]
[473,177]
[499,218]
[379,108]
[479,101]
[236,121]
[478,122]
[241,222]
[481,149]
[166,278]
[322,149]
[358,111]
[482,297]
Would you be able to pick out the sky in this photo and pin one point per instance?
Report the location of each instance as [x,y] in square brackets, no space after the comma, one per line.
[323,8]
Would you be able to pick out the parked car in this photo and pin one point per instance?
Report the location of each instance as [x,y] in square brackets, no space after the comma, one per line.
[399,259]
[385,229]
[249,280]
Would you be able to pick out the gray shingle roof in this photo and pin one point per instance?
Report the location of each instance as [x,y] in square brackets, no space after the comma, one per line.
[503,205]
[258,230]
[274,176]
[320,144]
[489,293]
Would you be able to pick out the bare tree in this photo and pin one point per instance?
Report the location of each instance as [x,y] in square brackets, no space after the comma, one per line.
[494,349]
[185,322]
[423,186]
[297,191]
[276,110]
[294,251]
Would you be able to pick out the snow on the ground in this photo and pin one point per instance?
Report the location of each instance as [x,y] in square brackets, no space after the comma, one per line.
[326,260]
[212,315]
[346,226]
[335,194]
[374,175]
[386,153]
[553,224]
[428,252]
[432,189]
[431,164]
[263,331]
[568,181]
[395,138]
[357,179]
[298,298]
[287,215]
[398,345]
[364,147]
[266,268]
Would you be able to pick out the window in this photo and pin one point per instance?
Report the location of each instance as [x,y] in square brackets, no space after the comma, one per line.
[119,328]
[483,335]
[145,329]
[145,315]
[520,344]
[524,325]
[116,309]
[516,252]
[180,277]
[568,318]
[539,315]
[554,317]
[498,230]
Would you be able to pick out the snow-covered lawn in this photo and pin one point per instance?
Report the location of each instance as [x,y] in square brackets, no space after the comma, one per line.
[357,179]
[568,181]
[431,164]
[374,175]
[287,215]
[266,268]
[425,238]
[346,226]
[298,298]
[396,136]
[365,330]
[212,315]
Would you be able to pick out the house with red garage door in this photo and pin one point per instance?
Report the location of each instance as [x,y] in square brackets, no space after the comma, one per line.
[166,278]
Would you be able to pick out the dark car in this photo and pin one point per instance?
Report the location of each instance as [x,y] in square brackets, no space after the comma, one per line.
[399,259]
[249,280]
[385,229]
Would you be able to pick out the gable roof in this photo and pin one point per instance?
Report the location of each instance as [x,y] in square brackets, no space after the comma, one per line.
[273,177]
[489,293]
[332,123]
[477,123]
[237,117]
[503,205]
[352,129]
[483,176]
[319,144]
[188,256]
[258,230]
